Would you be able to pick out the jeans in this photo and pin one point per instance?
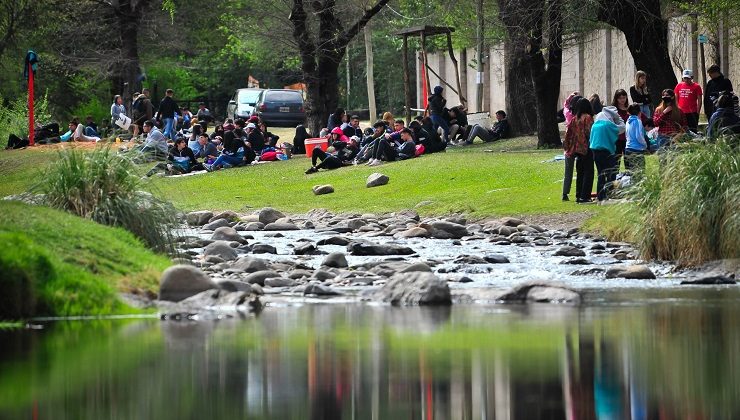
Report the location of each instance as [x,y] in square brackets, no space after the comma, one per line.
[568,176]
[606,166]
[584,176]
[90,132]
[439,121]
[168,128]
[233,160]
[645,109]
[482,133]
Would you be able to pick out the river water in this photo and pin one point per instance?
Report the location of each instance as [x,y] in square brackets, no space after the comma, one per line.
[664,353]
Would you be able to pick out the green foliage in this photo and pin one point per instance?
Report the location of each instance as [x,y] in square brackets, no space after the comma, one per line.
[24,267]
[104,186]
[93,107]
[689,208]
[14,116]
[75,266]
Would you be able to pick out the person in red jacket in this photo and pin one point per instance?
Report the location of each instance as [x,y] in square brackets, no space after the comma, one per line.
[688,97]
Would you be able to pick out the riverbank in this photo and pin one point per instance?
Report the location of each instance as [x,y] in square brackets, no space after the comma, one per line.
[57,264]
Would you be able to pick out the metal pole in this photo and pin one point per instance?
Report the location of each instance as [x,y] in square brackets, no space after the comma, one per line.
[406,79]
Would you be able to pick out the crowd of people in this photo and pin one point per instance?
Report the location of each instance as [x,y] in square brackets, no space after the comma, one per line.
[624,131]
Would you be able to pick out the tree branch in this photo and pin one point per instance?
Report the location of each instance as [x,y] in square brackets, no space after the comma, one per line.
[345,37]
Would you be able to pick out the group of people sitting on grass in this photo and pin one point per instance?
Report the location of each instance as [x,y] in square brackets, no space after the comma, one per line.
[232,144]
[621,130]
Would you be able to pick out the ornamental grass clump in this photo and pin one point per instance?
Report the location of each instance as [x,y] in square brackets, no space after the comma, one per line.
[104,186]
[689,207]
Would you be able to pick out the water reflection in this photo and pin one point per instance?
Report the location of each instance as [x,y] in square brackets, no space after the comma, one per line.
[661,361]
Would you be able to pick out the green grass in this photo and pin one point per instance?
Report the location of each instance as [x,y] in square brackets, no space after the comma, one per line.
[77,266]
[471,180]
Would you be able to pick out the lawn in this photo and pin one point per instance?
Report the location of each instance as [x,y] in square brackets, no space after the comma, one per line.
[509,177]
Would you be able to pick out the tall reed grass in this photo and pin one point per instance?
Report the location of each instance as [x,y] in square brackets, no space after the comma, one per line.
[689,207]
[104,186]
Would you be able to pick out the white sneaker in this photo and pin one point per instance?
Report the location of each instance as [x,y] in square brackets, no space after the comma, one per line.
[370,162]
[377,162]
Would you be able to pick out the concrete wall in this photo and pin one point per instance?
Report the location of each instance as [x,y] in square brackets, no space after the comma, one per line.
[599,62]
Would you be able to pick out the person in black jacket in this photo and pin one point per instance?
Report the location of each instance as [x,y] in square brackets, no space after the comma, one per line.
[180,160]
[715,86]
[255,138]
[167,110]
[432,143]
[343,155]
[437,112]
[499,130]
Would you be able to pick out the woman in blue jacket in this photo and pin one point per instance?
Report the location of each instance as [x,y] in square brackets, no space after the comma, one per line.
[608,125]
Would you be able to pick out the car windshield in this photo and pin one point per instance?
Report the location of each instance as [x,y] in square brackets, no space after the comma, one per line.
[248,97]
[283,96]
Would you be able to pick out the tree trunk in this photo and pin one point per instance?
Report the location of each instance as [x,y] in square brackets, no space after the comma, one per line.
[521,102]
[129,68]
[322,96]
[647,39]
[546,75]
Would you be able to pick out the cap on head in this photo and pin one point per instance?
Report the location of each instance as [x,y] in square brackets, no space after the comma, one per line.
[438,89]
[687,74]
[251,125]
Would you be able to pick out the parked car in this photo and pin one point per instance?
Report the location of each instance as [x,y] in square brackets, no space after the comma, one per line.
[281,107]
[242,103]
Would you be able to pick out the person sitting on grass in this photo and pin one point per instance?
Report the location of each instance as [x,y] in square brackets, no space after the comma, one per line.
[82,133]
[155,145]
[369,141]
[637,147]
[669,119]
[397,146]
[458,122]
[180,160]
[352,128]
[343,155]
[218,131]
[270,138]
[431,143]
[724,119]
[231,155]
[207,150]
[499,130]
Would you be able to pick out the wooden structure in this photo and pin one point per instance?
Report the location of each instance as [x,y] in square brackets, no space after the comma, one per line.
[423,32]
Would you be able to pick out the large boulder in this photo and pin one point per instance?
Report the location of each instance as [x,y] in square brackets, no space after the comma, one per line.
[414,232]
[710,279]
[640,272]
[542,292]
[263,249]
[221,249]
[442,229]
[269,215]
[250,264]
[336,260]
[376,180]
[217,224]
[415,288]
[234,286]
[569,251]
[366,248]
[198,218]
[182,281]
[259,277]
[277,226]
[318,289]
[225,233]
[226,215]
[322,189]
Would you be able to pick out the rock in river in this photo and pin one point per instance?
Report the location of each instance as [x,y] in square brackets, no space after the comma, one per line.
[711,279]
[416,288]
[260,276]
[335,259]
[216,224]
[446,230]
[182,281]
[366,248]
[569,251]
[542,292]
[316,288]
[630,272]
[281,226]
[269,215]
[250,264]
[198,218]
[225,233]
[221,249]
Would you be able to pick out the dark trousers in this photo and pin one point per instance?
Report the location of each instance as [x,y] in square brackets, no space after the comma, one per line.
[384,150]
[568,176]
[634,160]
[606,166]
[327,161]
[584,176]
[692,120]
[15,142]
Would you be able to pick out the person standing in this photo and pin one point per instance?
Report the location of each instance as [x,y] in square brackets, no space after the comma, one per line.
[688,96]
[142,110]
[576,147]
[437,111]
[605,131]
[640,94]
[714,88]
[167,110]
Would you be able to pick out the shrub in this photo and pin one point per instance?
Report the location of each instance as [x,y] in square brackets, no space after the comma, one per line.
[14,117]
[104,186]
[689,208]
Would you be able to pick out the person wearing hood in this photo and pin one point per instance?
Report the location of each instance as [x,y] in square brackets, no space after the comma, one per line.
[634,152]
[605,131]
[724,118]
[337,134]
[437,112]
[714,88]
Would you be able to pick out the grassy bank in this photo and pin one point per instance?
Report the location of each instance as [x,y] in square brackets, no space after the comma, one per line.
[60,264]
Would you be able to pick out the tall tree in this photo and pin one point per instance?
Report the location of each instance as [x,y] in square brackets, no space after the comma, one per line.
[322,54]
[646,32]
